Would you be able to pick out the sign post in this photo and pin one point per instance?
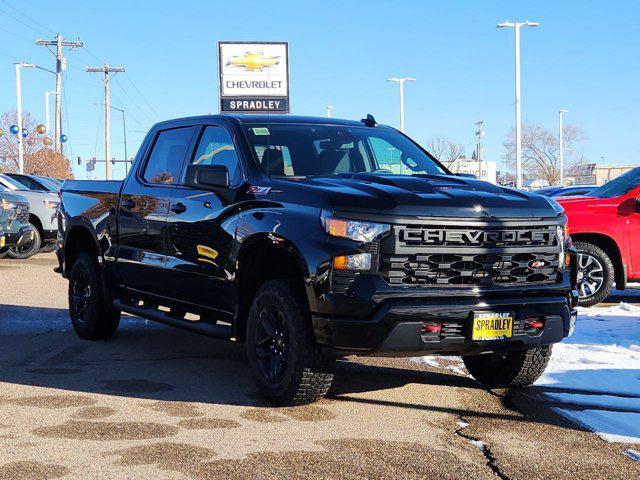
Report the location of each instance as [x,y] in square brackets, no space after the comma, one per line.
[254,77]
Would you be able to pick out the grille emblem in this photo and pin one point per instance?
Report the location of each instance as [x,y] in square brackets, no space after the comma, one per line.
[537,264]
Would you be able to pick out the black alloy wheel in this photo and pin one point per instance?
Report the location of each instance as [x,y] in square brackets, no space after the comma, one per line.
[272,343]
[80,297]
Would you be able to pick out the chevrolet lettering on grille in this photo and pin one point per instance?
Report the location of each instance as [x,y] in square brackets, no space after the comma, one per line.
[436,236]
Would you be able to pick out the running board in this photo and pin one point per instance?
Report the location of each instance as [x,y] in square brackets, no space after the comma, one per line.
[202,327]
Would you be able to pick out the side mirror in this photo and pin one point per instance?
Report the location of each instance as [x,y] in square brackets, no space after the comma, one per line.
[207,177]
[638,205]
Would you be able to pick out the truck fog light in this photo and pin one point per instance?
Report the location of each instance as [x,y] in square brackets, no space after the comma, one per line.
[2,241]
[360,261]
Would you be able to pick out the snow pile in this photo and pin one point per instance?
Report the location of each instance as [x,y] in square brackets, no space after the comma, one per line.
[594,376]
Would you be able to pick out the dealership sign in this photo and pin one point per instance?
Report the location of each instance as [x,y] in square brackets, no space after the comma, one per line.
[254,77]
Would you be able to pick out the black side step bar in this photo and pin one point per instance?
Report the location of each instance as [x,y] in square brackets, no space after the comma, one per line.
[202,327]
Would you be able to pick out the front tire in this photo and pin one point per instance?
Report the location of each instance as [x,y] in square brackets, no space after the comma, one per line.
[287,365]
[596,274]
[510,369]
[29,248]
[92,318]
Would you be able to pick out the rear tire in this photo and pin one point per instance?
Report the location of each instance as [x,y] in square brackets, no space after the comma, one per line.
[28,248]
[92,318]
[510,369]
[287,364]
[596,274]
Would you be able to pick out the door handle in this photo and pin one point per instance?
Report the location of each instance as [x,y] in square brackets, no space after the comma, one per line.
[178,208]
[128,203]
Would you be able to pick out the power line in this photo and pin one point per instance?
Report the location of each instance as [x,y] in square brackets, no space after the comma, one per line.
[27,17]
[136,104]
[15,35]
[141,95]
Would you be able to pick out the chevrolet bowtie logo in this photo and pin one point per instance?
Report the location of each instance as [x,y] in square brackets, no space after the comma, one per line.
[253,61]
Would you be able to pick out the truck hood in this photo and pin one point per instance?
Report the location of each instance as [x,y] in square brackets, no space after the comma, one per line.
[429,196]
[12,197]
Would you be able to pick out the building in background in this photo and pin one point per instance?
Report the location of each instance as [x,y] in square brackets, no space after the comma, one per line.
[594,174]
[472,167]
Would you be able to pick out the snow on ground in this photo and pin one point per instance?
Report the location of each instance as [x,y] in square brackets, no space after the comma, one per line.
[594,375]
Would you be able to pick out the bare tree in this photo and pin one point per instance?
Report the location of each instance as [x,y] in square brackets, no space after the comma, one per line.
[38,158]
[446,151]
[540,149]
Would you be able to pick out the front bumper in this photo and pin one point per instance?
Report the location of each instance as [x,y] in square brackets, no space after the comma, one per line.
[14,239]
[396,328]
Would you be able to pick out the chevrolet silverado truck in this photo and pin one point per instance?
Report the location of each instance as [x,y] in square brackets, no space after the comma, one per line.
[605,226]
[14,222]
[309,239]
[42,218]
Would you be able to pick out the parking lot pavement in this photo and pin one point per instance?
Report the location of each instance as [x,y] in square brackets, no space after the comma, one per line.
[162,403]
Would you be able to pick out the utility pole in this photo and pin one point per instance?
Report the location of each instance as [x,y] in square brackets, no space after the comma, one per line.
[329,110]
[61,64]
[107,113]
[19,113]
[516,27]
[560,145]
[400,82]
[46,111]
[479,135]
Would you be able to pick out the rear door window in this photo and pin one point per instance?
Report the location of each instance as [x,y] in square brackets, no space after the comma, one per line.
[168,155]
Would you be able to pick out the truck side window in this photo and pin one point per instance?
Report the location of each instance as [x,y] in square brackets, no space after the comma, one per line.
[166,159]
[216,148]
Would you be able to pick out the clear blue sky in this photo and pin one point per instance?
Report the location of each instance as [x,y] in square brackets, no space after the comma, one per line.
[584,57]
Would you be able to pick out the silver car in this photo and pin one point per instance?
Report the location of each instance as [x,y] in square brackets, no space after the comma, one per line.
[43,208]
[15,229]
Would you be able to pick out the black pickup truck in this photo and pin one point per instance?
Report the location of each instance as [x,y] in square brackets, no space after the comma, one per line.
[310,239]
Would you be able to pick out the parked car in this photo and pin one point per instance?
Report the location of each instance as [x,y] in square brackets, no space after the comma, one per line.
[573,191]
[605,228]
[42,218]
[294,236]
[14,222]
[34,182]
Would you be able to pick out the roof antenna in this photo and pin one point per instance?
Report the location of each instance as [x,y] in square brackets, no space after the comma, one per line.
[369,121]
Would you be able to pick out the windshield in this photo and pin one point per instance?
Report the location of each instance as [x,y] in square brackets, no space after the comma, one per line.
[14,184]
[313,149]
[618,186]
[49,183]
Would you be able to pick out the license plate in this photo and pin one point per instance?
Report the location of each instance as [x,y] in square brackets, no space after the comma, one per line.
[492,325]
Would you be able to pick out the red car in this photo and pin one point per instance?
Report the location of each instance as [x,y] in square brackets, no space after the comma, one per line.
[605,228]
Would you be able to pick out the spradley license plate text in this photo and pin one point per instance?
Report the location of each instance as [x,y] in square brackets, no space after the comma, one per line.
[492,325]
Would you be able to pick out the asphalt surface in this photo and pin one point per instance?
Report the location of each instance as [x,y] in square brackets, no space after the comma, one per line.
[155,402]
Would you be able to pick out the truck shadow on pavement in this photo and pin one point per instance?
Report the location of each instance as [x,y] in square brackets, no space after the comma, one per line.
[149,361]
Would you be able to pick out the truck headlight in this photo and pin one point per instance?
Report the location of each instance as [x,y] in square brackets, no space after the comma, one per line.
[50,204]
[5,205]
[353,229]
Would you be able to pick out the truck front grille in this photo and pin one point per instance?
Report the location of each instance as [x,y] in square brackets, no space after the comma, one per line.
[480,269]
[23,213]
[459,255]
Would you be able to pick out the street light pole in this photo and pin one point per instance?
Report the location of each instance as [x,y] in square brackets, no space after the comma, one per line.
[124,133]
[329,110]
[560,146]
[46,110]
[400,82]
[19,113]
[516,27]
